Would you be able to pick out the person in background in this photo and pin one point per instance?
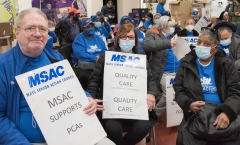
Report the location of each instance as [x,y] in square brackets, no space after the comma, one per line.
[140,34]
[224,17]
[126,42]
[195,15]
[135,17]
[234,13]
[229,42]
[68,28]
[205,75]
[160,8]
[188,31]
[81,6]
[105,24]
[18,125]
[156,18]
[108,11]
[99,29]
[148,21]
[157,45]
[52,38]
[229,6]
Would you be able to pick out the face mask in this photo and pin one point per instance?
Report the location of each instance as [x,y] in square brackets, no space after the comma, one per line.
[90,31]
[125,45]
[101,19]
[225,42]
[97,24]
[171,31]
[189,28]
[203,52]
[75,18]
[155,21]
[146,19]
[136,22]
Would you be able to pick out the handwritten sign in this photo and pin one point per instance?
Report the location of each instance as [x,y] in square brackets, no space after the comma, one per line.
[56,100]
[125,86]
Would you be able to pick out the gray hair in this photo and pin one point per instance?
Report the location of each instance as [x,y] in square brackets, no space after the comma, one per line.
[23,13]
[190,19]
[214,36]
[224,28]
[157,14]
[164,22]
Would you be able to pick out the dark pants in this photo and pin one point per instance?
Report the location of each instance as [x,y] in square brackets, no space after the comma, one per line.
[83,76]
[189,139]
[136,130]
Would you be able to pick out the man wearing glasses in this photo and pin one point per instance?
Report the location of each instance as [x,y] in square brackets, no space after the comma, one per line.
[108,11]
[17,123]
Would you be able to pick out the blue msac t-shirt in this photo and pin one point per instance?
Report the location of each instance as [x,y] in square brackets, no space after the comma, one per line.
[172,62]
[226,50]
[28,125]
[189,33]
[207,79]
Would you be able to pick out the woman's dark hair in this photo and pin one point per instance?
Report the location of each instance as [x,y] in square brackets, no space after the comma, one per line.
[126,28]
[221,15]
[223,25]
[151,16]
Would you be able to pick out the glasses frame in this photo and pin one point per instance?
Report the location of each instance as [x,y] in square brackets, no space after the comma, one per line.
[42,33]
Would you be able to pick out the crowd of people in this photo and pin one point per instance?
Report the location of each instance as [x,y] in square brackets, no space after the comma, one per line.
[208,74]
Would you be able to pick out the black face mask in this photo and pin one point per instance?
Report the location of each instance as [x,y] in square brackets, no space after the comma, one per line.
[75,18]
[238,1]
[101,19]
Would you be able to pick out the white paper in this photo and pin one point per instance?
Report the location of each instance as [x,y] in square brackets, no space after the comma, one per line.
[181,48]
[125,86]
[206,12]
[190,40]
[203,22]
[56,100]
[174,112]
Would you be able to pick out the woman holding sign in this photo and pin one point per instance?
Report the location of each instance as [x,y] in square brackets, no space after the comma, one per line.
[207,90]
[126,42]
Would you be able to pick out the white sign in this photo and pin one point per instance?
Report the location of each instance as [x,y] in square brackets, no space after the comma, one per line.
[174,112]
[181,48]
[191,40]
[125,86]
[203,22]
[56,100]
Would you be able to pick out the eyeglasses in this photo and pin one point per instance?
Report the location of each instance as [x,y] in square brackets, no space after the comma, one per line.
[33,30]
[129,37]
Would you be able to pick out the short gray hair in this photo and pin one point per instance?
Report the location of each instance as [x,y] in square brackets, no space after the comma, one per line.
[23,13]
[164,22]
[214,36]
[224,28]
[157,14]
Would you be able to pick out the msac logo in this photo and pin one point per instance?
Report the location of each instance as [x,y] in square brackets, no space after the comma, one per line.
[124,58]
[45,76]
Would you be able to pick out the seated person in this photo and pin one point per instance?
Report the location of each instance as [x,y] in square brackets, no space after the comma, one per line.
[140,34]
[16,118]
[156,18]
[206,75]
[127,42]
[229,42]
[99,29]
[195,15]
[224,17]
[148,21]
[189,29]
[52,38]
[160,8]
[87,46]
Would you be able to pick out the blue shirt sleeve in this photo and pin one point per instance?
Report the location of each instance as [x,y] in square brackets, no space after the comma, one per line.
[161,10]
[87,94]
[79,50]
[109,28]
[54,37]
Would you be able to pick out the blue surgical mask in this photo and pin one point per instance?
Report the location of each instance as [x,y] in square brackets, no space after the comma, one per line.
[125,45]
[136,22]
[225,42]
[97,24]
[90,31]
[146,19]
[155,21]
[203,52]
[171,31]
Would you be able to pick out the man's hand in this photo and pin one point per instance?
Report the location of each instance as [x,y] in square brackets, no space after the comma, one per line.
[173,43]
[222,121]
[194,106]
[91,108]
[99,107]
[151,101]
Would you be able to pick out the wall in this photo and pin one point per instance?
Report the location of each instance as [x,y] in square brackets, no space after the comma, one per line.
[24,4]
[125,7]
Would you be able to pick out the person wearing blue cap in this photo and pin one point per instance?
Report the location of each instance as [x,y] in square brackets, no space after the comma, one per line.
[140,34]
[195,15]
[99,29]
